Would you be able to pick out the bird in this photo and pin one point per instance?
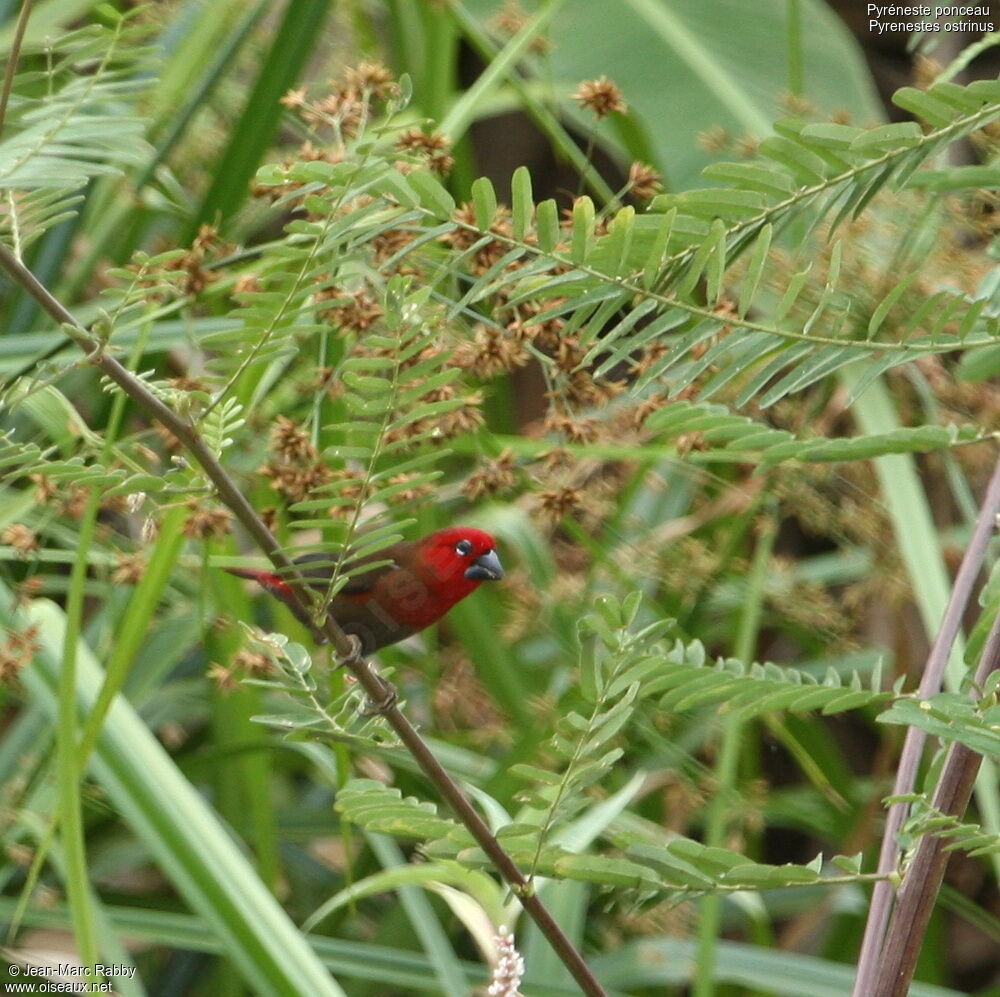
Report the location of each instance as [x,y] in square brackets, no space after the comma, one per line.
[422,580]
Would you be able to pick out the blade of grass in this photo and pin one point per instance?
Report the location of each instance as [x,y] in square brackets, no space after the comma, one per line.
[135,624]
[500,67]
[452,982]
[183,835]
[547,121]
[68,774]
[294,41]
[727,764]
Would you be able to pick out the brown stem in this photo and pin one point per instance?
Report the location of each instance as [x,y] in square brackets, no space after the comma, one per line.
[378,690]
[923,877]
[870,956]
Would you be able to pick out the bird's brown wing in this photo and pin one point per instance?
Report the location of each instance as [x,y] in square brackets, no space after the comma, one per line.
[364,606]
[317,568]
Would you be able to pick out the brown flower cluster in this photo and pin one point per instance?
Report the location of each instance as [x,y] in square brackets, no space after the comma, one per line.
[492,477]
[601,97]
[573,430]
[245,664]
[511,18]
[129,568]
[355,311]
[466,235]
[21,537]
[644,183]
[490,352]
[296,470]
[347,107]
[17,650]
[387,244]
[207,523]
[418,488]
[546,334]
[462,703]
[433,149]
[557,503]
[340,114]
[192,264]
[715,139]
[291,442]
[466,417]
[371,78]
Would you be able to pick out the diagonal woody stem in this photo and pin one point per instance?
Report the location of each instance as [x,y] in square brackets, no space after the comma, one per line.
[913,746]
[922,879]
[378,690]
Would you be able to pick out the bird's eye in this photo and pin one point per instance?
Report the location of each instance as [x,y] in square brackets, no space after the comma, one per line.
[463,547]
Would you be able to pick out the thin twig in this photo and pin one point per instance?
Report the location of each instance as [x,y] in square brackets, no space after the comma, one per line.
[913,746]
[923,876]
[13,58]
[378,690]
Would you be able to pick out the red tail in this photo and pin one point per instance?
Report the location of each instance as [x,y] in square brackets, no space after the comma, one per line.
[263,578]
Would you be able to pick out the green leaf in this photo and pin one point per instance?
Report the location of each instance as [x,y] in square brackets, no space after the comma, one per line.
[760,177]
[547,222]
[755,267]
[902,134]
[950,717]
[523,207]
[807,166]
[432,193]
[932,109]
[484,202]
[583,229]
[956,178]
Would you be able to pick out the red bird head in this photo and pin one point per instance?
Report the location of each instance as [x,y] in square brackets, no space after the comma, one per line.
[453,562]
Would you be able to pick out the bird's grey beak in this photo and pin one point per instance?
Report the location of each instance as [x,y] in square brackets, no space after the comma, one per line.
[485,568]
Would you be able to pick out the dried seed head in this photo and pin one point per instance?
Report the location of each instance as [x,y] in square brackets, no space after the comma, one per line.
[294,98]
[601,96]
[359,313]
[493,478]
[17,650]
[22,538]
[418,491]
[573,430]
[344,109]
[253,663]
[130,569]
[291,442]
[224,678]
[45,488]
[490,352]
[716,139]
[433,148]
[644,182]
[295,482]
[560,502]
[207,524]
[511,18]
[372,78]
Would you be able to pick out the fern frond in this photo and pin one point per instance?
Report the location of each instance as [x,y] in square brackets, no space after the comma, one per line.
[951,716]
[70,121]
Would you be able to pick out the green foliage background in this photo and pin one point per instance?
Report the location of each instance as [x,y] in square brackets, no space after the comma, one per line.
[729,437]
